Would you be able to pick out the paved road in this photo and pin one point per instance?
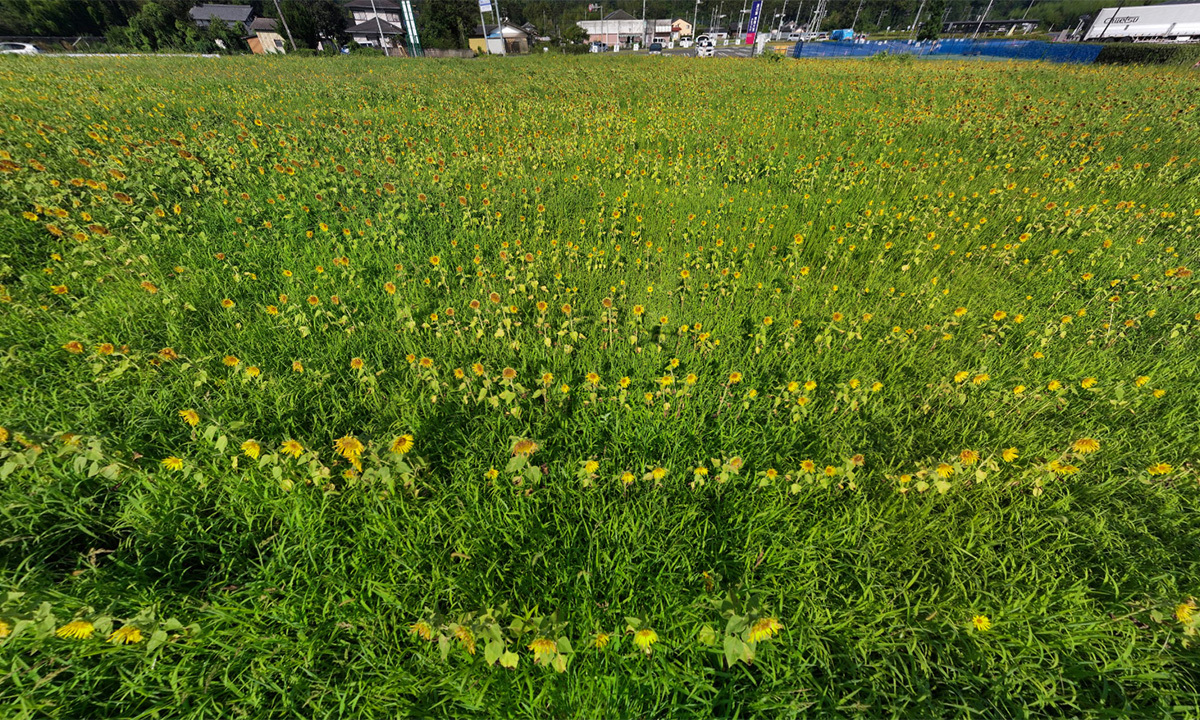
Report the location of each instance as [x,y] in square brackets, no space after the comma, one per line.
[720,51]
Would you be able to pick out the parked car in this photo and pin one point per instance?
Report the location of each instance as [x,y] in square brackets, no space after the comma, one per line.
[599,47]
[16,48]
[795,37]
[656,48]
[705,47]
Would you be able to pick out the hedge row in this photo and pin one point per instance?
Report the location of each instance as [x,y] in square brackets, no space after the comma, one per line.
[1148,54]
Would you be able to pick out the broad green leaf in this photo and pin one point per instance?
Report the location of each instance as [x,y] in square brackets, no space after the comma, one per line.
[492,651]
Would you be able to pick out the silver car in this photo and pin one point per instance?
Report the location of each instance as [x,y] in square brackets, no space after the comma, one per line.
[16,48]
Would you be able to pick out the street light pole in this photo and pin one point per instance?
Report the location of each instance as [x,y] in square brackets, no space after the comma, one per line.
[741,18]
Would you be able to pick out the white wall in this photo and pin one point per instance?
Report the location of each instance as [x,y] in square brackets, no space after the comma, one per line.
[1146,21]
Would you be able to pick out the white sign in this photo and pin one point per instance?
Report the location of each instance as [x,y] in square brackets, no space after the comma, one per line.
[485,5]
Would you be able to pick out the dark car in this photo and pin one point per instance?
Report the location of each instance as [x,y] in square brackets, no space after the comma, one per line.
[656,48]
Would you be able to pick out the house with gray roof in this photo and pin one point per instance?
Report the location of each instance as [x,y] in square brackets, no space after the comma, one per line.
[204,15]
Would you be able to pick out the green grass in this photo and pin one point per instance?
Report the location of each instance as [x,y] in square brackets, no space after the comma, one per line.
[964,258]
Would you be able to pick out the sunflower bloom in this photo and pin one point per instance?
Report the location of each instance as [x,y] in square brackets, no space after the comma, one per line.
[1085,445]
[644,638]
[944,470]
[1184,612]
[190,417]
[981,622]
[350,448]
[126,635]
[402,444]
[524,447]
[1010,454]
[421,629]
[543,646]
[172,463]
[1161,468]
[765,629]
[466,637]
[601,640]
[251,449]
[291,447]
[76,630]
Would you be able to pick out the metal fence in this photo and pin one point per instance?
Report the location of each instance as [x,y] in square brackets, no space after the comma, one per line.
[1016,49]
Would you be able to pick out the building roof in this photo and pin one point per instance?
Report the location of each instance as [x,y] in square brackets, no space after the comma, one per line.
[478,32]
[619,15]
[226,13]
[263,24]
[375,27]
[380,5]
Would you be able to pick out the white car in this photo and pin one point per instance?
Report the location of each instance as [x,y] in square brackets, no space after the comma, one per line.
[16,48]
[795,37]
[705,47]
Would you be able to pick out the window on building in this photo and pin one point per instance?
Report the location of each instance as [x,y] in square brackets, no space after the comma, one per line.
[279,43]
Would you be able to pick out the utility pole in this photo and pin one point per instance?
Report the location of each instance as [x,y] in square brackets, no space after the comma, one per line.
[645,27]
[740,19]
[483,26]
[917,20]
[856,13]
[499,27]
[286,29]
[695,18]
[782,18]
[379,28]
[1110,20]
[982,18]
[1031,2]
[818,16]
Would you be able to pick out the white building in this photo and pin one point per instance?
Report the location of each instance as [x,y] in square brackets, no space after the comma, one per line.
[1178,22]
[617,28]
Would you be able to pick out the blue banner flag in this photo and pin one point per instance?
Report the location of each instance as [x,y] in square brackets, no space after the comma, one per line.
[752,29]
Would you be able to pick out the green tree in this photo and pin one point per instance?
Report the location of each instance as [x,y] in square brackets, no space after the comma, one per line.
[447,24]
[574,34]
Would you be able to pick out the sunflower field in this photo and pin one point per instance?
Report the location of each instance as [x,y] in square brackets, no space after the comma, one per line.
[598,387]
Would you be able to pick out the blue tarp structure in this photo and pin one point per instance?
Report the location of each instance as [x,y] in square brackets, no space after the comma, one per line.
[1016,49]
